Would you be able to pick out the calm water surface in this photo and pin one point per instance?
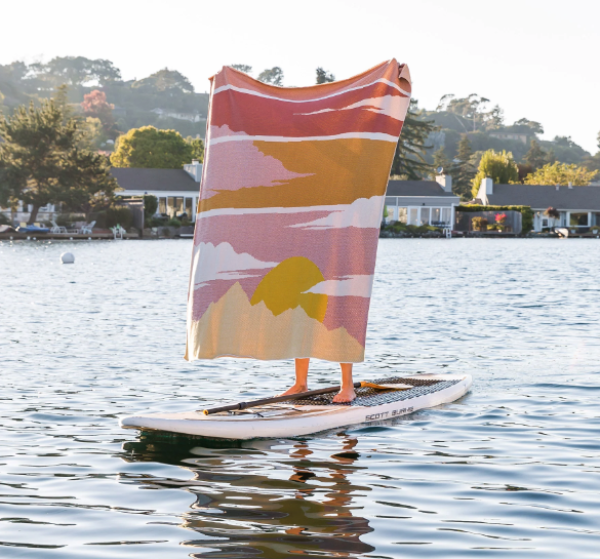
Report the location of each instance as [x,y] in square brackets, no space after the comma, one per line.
[510,470]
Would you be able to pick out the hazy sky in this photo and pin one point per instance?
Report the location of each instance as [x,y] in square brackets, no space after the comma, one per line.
[537,59]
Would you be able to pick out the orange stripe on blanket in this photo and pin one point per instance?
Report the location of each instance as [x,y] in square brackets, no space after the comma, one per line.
[334,172]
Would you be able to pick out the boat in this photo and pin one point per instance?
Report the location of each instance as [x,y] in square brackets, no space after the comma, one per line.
[311,414]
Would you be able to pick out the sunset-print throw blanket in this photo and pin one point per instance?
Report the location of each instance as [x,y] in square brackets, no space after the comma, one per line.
[291,202]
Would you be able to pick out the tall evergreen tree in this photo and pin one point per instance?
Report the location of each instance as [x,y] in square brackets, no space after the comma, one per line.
[440,159]
[536,156]
[41,161]
[463,169]
[409,159]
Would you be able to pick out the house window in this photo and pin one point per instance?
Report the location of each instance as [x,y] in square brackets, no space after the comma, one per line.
[189,202]
[414,216]
[578,220]
[403,217]
[446,216]
[425,216]
[162,206]
[435,215]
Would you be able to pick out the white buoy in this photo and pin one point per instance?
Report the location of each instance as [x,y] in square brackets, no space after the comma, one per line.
[67,258]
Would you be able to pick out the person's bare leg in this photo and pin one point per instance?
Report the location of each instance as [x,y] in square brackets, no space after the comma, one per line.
[301,384]
[346,393]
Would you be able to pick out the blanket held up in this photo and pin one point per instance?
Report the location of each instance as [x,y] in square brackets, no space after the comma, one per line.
[291,202]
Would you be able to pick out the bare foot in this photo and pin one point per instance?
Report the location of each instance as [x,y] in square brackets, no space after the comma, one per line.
[294,390]
[345,395]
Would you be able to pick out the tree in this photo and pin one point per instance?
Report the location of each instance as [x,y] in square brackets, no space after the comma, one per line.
[440,159]
[151,148]
[76,71]
[463,169]
[473,108]
[166,80]
[94,105]
[323,76]
[197,148]
[274,76]
[593,162]
[409,158]
[536,156]
[242,68]
[41,161]
[150,206]
[500,167]
[561,173]
[532,125]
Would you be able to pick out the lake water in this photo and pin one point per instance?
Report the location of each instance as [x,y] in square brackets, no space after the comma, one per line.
[510,470]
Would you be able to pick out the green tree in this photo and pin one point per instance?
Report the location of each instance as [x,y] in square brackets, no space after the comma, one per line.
[463,169]
[41,161]
[197,148]
[500,167]
[593,162]
[76,71]
[242,68]
[151,148]
[531,125]
[561,173]
[166,80]
[536,156]
[274,76]
[410,156]
[150,206]
[323,76]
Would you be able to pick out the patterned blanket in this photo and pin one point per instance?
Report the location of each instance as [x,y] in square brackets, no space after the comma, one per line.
[291,202]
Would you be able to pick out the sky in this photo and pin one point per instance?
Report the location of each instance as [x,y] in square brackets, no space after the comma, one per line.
[537,59]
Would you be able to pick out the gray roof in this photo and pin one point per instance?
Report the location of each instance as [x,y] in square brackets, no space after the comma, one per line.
[416,188]
[170,180]
[540,196]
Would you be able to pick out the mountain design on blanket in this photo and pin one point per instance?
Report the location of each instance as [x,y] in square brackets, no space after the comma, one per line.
[291,201]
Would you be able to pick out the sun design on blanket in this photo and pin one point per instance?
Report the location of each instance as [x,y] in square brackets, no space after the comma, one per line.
[284,288]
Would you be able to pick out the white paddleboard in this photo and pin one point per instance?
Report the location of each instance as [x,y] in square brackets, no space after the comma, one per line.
[305,417]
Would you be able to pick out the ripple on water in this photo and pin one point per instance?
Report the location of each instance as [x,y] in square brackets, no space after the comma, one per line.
[510,470]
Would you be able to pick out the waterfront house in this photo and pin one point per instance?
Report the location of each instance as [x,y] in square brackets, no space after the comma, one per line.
[578,207]
[424,202]
[177,190]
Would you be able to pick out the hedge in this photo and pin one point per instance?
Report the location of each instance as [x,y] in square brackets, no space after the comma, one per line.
[526,213]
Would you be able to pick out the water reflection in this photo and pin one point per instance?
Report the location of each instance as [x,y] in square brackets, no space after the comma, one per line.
[306,506]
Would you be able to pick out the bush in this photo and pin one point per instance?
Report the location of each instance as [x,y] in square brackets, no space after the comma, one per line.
[156,221]
[150,206]
[174,222]
[119,215]
[479,224]
[526,213]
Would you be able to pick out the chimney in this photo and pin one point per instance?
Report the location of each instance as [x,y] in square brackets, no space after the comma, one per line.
[570,185]
[557,186]
[194,169]
[445,181]
[487,185]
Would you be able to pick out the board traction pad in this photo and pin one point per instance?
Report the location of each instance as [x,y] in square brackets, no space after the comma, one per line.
[371,397]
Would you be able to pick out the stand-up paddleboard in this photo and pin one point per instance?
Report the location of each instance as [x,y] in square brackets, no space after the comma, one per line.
[310,414]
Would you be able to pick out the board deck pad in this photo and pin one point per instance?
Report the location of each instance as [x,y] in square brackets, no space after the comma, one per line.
[372,397]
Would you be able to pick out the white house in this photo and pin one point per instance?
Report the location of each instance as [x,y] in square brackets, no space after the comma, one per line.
[578,206]
[177,190]
[422,202]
